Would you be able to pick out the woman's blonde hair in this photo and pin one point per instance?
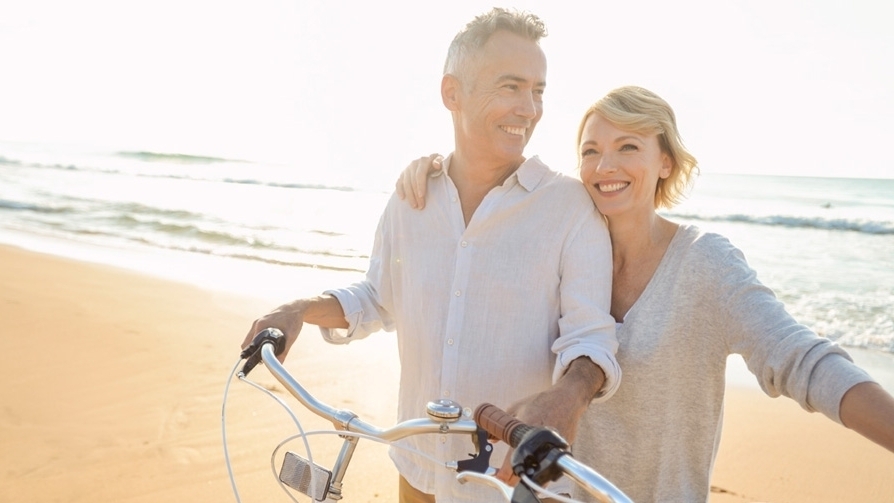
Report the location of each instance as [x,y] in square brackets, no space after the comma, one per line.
[641,111]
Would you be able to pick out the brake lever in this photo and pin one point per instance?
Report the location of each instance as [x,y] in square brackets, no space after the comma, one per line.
[479,463]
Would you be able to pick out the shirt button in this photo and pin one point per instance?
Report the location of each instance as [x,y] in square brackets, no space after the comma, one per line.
[457,293]
[443,439]
[453,199]
[446,393]
[449,342]
[464,244]
[467,412]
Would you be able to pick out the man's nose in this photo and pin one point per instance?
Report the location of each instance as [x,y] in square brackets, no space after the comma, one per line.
[528,106]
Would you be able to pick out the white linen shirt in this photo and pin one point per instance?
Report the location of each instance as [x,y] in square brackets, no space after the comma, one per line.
[492,312]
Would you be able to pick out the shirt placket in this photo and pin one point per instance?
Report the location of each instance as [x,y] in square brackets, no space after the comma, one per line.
[461,282]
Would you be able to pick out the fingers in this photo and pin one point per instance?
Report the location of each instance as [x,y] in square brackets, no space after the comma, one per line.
[412,184]
[420,172]
[251,335]
[405,187]
[399,187]
[427,168]
[505,474]
[285,352]
[289,330]
[416,180]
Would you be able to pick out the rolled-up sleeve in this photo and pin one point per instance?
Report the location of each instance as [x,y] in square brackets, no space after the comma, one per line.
[586,327]
[361,314]
[365,310]
[832,377]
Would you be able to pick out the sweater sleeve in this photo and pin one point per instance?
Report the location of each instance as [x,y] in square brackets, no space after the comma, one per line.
[786,357]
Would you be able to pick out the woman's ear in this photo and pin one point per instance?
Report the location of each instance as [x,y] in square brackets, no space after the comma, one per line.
[667,166]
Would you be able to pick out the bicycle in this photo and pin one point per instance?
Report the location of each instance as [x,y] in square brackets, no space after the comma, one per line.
[540,456]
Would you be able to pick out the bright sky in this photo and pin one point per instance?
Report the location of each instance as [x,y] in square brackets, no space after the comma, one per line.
[760,86]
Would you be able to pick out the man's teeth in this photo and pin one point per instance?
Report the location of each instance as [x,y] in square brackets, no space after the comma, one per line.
[611,187]
[514,130]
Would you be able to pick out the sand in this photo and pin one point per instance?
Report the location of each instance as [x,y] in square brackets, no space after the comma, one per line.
[115,380]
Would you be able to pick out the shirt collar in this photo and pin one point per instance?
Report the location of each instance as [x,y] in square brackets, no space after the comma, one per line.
[529,174]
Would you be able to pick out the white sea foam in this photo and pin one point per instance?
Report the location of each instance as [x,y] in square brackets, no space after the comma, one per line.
[824,245]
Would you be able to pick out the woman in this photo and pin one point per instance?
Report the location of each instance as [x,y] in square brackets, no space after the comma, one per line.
[683,301]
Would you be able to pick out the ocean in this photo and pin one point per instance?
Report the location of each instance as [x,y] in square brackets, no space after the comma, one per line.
[825,245]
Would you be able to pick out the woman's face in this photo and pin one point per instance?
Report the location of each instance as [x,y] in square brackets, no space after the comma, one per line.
[619,168]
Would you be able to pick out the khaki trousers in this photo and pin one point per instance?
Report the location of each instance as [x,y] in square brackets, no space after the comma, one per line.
[409,494]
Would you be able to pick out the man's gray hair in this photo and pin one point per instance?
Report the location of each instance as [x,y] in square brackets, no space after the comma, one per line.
[480,29]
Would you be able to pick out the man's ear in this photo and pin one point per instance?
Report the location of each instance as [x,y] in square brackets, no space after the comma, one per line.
[450,90]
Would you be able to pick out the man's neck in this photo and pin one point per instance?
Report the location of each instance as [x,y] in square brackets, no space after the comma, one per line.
[480,174]
[475,178]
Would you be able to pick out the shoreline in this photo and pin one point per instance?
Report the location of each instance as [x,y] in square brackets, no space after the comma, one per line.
[117,383]
[282,283]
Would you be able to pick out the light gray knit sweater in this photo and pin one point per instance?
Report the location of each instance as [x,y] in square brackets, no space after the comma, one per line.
[656,439]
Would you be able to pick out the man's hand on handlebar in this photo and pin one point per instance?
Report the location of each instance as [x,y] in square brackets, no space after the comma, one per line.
[324,311]
[559,407]
[288,318]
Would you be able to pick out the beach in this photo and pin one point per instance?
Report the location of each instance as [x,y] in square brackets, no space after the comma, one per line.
[116,381]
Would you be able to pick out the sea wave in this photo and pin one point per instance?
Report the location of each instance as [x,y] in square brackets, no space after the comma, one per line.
[315,186]
[25,206]
[177,172]
[6,161]
[313,259]
[180,158]
[9,162]
[811,222]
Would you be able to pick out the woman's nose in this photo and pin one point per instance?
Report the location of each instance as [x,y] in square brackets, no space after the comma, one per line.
[606,165]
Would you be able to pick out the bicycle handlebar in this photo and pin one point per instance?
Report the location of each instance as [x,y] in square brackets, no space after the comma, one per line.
[543,444]
[501,425]
[348,420]
[552,453]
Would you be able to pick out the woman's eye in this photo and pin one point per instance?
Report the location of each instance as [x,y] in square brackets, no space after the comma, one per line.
[588,151]
[629,147]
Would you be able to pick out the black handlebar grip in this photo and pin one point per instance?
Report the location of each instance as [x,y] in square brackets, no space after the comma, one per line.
[252,354]
[500,424]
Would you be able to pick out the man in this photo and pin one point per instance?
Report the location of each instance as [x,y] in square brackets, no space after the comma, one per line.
[502,285]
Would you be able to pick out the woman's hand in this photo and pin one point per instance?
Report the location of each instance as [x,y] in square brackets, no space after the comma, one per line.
[413,181]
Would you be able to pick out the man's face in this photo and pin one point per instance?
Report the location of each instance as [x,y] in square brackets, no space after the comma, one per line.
[501,99]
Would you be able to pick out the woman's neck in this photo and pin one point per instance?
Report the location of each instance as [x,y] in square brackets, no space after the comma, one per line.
[638,246]
[636,236]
